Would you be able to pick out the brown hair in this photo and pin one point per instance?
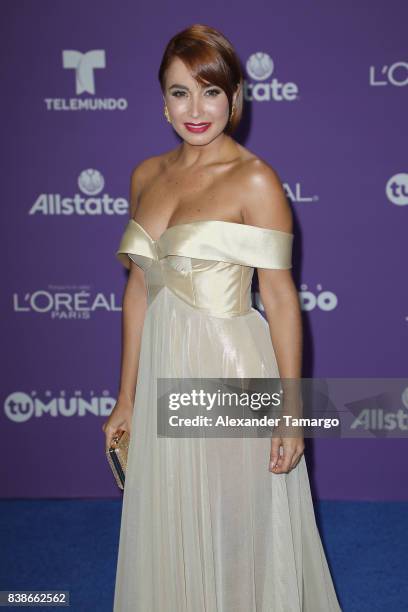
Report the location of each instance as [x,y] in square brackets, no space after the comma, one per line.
[211,59]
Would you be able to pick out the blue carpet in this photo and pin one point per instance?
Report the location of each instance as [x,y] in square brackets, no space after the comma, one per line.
[72,545]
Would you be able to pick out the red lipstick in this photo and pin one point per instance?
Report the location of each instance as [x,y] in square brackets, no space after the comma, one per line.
[197,128]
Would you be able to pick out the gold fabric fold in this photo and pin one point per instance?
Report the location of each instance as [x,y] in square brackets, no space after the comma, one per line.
[208,264]
[135,243]
[242,244]
[215,240]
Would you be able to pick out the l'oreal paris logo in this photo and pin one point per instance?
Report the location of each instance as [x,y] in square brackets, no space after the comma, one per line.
[396,75]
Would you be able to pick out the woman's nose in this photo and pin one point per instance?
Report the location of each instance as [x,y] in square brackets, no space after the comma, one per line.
[195,107]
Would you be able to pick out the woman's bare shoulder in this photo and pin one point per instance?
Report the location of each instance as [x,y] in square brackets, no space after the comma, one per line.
[265,200]
[253,169]
[145,172]
[151,165]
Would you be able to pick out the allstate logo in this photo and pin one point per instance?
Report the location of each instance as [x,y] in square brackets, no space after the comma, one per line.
[259,66]
[91,201]
[396,189]
[91,181]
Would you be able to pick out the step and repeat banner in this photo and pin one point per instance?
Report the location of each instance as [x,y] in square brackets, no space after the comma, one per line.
[326,98]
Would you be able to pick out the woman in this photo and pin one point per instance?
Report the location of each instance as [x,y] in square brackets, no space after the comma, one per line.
[210,524]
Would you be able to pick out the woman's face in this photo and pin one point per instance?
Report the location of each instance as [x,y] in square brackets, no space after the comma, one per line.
[189,102]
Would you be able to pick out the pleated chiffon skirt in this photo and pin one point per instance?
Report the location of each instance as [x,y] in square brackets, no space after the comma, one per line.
[205,526]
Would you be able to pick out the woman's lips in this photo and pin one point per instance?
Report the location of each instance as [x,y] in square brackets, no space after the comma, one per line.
[197,128]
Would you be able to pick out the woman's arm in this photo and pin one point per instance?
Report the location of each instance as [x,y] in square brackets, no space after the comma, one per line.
[134,305]
[267,206]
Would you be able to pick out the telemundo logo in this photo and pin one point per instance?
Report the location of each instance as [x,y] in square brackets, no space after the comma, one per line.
[20,407]
[309,300]
[83,67]
[396,189]
[260,67]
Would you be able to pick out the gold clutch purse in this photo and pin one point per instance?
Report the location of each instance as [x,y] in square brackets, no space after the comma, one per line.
[117,456]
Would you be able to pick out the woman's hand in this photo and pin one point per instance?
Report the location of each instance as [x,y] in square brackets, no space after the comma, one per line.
[120,418]
[293,448]
[289,437]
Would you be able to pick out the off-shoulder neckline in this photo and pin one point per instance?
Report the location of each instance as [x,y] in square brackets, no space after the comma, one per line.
[200,221]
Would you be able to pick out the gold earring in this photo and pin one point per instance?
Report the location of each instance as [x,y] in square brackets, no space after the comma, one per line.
[232,111]
[166,112]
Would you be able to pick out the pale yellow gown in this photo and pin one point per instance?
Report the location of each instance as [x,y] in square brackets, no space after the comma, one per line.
[206,527]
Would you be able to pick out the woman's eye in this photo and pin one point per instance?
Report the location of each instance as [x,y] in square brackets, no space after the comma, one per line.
[213,92]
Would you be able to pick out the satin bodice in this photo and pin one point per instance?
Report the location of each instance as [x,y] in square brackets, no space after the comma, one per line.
[208,264]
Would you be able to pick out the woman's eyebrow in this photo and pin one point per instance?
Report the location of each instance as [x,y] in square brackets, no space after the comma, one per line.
[178,86]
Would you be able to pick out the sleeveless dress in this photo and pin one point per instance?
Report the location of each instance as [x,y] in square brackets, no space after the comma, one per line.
[205,526]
